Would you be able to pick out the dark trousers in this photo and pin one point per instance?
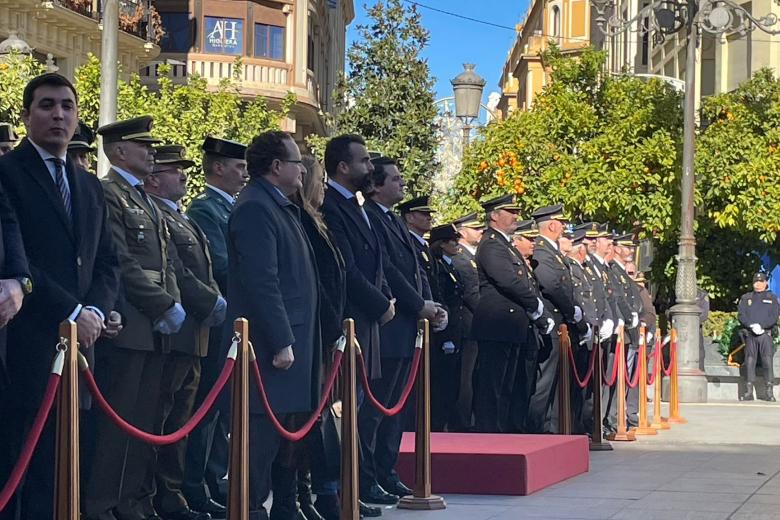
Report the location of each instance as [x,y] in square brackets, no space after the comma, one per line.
[579,421]
[632,394]
[543,409]
[759,346]
[380,436]
[445,383]
[206,461]
[130,380]
[524,384]
[465,405]
[181,376]
[496,373]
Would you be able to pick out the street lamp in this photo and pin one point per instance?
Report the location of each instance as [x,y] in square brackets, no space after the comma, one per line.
[660,19]
[14,44]
[467,87]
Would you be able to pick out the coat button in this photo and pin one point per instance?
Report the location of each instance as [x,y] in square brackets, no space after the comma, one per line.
[78,261]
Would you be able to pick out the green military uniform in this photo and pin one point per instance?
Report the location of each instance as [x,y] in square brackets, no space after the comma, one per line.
[211,211]
[133,361]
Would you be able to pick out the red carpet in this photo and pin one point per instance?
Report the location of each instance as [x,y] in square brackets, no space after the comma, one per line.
[492,464]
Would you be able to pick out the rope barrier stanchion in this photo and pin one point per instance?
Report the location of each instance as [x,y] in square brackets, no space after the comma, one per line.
[350,509]
[66,465]
[49,396]
[674,388]
[643,428]
[564,381]
[423,499]
[407,390]
[622,433]
[238,471]
[597,442]
[659,422]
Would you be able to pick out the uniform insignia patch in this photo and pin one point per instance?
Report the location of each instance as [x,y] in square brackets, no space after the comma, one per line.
[453,278]
[425,256]
[473,264]
[750,302]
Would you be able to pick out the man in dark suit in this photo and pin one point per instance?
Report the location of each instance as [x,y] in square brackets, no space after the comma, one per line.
[509,305]
[272,281]
[63,220]
[205,307]
[380,436]
[470,228]
[131,365]
[224,164]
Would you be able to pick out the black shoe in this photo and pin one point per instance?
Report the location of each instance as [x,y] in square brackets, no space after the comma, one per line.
[748,395]
[215,509]
[377,495]
[397,488]
[367,511]
[770,395]
[328,506]
[187,514]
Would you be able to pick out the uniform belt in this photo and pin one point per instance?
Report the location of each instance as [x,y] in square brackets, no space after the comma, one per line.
[155,276]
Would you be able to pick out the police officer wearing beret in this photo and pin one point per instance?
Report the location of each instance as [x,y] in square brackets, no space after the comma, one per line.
[224,166]
[758,312]
[509,307]
[205,308]
[131,366]
[8,138]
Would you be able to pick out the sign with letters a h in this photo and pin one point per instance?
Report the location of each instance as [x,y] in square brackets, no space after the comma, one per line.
[224,35]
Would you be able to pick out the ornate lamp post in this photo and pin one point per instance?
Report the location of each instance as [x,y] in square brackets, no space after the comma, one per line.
[661,19]
[467,86]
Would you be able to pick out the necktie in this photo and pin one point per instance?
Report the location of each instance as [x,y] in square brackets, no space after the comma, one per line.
[62,186]
[146,198]
[359,204]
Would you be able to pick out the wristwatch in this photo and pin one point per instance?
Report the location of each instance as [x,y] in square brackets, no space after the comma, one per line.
[26,284]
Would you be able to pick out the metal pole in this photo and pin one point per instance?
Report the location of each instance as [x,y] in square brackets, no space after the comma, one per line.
[108,74]
[466,137]
[685,314]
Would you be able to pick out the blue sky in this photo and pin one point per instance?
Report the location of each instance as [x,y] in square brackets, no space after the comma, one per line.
[454,41]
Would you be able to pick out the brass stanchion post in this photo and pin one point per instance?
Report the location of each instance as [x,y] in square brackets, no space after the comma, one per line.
[238,473]
[350,510]
[674,389]
[622,433]
[564,381]
[597,442]
[643,428]
[66,466]
[422,497]
[659,422]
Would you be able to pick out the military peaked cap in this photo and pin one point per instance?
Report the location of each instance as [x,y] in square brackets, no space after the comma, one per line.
[415,204]
[224,147]
[578,236]
[469,221]
[135,129]
[82,140]
[172,154]
[626,240]
[554,212]
[592,229]
[7,134]
[505,202]
[445,232]
[760,277]
[527,229]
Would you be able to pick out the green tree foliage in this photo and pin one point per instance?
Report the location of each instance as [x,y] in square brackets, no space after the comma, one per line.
[15,71]
[184,113]
[387,94]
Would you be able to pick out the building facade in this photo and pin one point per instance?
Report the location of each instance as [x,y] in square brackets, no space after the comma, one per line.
[284,46]
[64,32]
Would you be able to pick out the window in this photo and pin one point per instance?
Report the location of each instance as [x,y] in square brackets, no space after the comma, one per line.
[269,41]
[223,35]
[178,32]
[556,22]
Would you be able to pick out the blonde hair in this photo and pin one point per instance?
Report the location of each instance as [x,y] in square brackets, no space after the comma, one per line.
[312,181]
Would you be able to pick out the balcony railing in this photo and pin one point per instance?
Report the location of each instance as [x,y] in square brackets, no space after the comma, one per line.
[136,17]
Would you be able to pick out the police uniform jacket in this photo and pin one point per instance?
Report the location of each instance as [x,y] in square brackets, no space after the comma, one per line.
[583,292]
[603,283]
[627,292]
[148,279]
[507,293]
[428,263]
[465,265]
[406,278]
[199,290]
[211,212]
[599,283]
[452,291]
[759,307]
[554,281]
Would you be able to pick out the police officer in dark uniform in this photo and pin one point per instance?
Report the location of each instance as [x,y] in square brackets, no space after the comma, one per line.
[81,146]
[509,306]
[758,312]
[447,343]
[417,215]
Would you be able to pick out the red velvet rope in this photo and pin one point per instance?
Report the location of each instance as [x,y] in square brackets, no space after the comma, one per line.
[31,442]
[651,372]
[635,382]
[582,383]
[672,359]
[306,428]
[613,378]
[389,412]
[171,438]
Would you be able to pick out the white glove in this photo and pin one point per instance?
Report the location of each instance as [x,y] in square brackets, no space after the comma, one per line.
[634,320]
[539,310]
[648,338]
[757,329]
[171,321]
[606,330]
[550,326]
[620,325]
[588,336]
[217,315]
[577,314]
[448,347]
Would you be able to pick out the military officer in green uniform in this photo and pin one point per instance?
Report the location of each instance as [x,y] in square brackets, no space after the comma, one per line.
[224,166]
[149,301]
[205,308]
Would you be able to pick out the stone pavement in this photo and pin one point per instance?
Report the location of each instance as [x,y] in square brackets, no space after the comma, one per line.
[724,464]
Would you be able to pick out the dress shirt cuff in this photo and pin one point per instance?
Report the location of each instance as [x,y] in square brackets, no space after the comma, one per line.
[97,311]
[75,314]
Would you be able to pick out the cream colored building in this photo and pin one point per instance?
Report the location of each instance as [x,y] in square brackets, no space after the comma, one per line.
[65,31]
[284,45]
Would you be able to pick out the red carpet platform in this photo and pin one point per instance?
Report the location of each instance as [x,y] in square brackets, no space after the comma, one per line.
[492,464]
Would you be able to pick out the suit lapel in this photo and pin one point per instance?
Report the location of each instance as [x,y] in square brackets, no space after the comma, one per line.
[355,214]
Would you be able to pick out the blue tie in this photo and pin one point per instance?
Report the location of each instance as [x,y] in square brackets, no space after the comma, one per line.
[62,185]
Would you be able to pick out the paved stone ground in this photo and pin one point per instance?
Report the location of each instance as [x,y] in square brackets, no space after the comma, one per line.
[723,465]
